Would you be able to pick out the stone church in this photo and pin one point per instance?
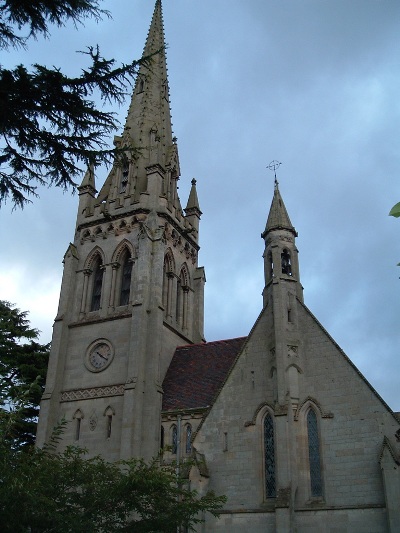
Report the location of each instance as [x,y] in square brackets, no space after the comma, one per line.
[280,421]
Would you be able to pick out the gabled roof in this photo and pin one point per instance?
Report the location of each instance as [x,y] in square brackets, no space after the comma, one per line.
[197,372]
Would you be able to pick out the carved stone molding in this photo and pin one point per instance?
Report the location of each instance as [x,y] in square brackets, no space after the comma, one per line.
[292,351]
[95,392]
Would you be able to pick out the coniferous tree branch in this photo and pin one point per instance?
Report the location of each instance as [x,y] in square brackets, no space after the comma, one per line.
[50,124]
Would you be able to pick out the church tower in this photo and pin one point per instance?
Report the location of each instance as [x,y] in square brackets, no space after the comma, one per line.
[132,290]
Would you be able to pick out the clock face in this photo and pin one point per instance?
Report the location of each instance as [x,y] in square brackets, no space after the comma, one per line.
[99,355]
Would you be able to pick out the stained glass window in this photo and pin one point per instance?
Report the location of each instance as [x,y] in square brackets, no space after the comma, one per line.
[97,285]
[269,453]
[314,454]
[188,438]
[174,439]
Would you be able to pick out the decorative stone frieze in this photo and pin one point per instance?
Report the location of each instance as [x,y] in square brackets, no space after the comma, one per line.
[95,392]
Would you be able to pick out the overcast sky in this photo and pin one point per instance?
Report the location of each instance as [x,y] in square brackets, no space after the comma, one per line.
[314,84]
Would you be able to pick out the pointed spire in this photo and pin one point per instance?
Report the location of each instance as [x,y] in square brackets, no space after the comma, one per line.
[148,123]
[278,217]
[193,201]
[148,126]
[88,183]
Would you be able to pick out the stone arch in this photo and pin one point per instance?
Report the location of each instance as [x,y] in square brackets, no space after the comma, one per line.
[125,244]
[121,283]
[97,251]
[308,403]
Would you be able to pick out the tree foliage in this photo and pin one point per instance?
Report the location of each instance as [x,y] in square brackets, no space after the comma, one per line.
[45,492]
[42,491]
[23,366]
[49,122]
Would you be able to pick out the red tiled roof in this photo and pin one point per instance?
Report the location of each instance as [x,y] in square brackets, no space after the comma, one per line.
[197,372]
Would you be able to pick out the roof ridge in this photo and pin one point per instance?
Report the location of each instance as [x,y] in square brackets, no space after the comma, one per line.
[207,343]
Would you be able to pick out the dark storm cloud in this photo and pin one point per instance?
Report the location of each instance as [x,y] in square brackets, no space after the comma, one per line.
[311,83]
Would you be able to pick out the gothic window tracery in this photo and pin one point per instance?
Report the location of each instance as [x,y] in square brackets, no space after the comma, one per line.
[269,457]
[314,454]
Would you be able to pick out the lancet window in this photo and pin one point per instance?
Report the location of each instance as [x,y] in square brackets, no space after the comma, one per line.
[188,438]
[126,277]
[174,439]
[78,420]
[182,290]
[269,457]
[168,278]
[314,454]
[109,413]
[97,273]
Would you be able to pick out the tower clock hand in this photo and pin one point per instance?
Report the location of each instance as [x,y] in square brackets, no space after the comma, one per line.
[103,356]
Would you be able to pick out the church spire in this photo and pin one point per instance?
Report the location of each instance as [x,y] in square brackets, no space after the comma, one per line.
[278,217]
[147,134]
[281,255]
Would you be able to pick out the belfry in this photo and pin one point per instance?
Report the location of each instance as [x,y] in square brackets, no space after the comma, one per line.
[280,421]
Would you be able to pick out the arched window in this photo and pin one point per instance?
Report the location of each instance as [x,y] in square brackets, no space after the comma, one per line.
[269,457]
[78,419]
[109,413]
[174,439]
[124,175]
[182,289]
[314,454]
[126,276]
[188,438]
[97,273]
[168,276]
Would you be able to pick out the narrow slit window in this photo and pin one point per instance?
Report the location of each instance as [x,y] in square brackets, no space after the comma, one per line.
[77,428]
[109,426]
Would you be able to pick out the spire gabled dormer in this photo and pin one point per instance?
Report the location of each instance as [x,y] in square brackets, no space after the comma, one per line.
[281,263]
[152,153]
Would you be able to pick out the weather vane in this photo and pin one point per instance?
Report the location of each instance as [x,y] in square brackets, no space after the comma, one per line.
[274,165]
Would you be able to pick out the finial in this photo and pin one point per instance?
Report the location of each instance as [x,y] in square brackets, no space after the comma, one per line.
[274,165]
[194,182]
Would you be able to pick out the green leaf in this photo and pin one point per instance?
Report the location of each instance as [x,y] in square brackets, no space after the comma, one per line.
[395,211]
